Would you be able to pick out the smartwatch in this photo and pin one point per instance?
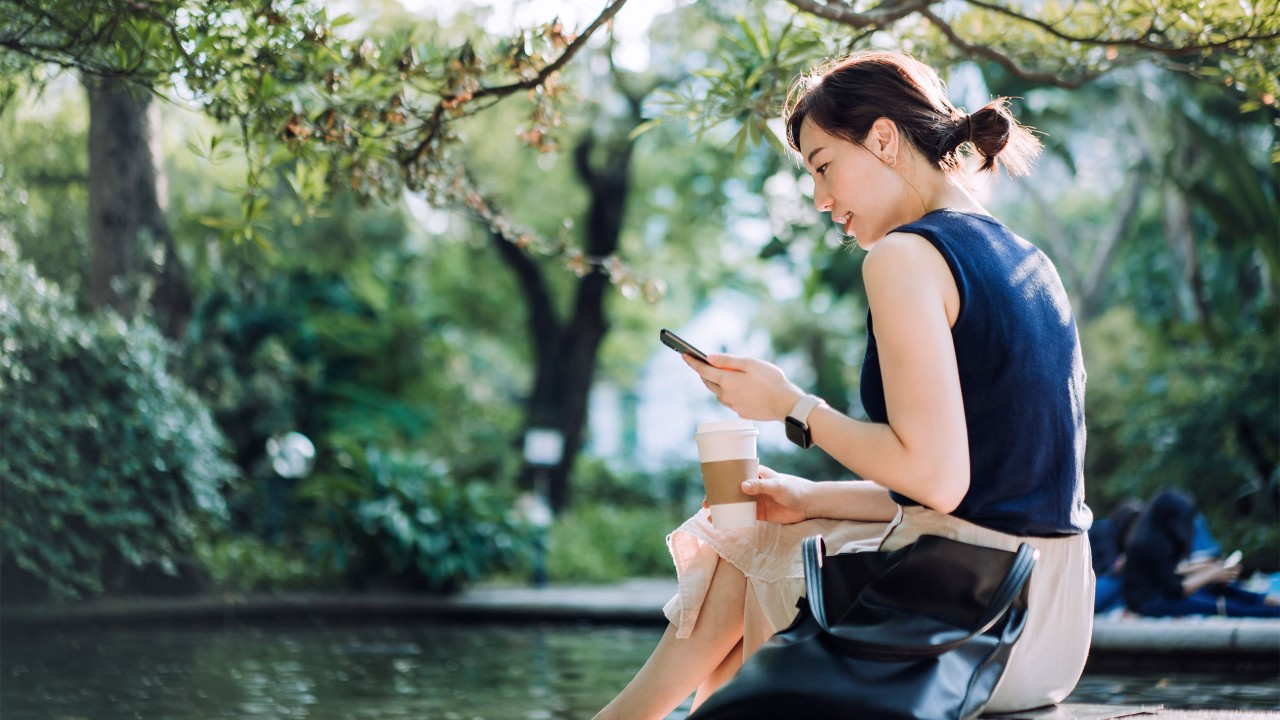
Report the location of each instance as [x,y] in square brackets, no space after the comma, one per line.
[797,421]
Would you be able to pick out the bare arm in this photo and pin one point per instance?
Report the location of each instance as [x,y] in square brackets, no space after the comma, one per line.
[850,500]
[789,499]
[923,451]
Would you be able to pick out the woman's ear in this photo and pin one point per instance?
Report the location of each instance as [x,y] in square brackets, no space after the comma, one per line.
[883,138]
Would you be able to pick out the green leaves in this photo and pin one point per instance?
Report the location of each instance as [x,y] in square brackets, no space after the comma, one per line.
[746,86]
[109,462]
[421,525]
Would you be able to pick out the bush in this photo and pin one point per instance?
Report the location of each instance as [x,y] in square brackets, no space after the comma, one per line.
[597,481]
[601,543]
[404,518]
[1174,410]
[246,563]
[109,463]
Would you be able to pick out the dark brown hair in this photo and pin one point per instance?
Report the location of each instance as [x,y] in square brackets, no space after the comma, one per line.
[844,97]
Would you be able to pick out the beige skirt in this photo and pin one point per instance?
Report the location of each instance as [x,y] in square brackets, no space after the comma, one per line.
[1046,662]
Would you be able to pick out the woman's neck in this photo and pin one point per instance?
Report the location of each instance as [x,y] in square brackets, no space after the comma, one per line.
[942,191]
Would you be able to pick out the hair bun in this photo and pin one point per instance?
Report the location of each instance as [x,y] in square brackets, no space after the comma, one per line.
[994,133]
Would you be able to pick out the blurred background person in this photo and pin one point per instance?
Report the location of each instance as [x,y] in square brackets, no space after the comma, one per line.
[1107,539]
[1152,582]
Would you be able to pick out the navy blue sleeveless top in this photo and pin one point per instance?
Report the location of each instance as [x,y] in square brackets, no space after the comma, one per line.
[1021,376]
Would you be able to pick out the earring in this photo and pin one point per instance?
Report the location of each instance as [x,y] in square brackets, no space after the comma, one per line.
[890,160]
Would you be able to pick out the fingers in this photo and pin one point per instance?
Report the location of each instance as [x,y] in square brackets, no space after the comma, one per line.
[761,485]
[767,472]
[708,372]
[719,365]
[728,362]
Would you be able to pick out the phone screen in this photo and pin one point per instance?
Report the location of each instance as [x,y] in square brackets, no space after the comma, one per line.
[680,345]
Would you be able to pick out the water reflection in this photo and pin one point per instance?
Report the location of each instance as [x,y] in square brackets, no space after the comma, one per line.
[424,671]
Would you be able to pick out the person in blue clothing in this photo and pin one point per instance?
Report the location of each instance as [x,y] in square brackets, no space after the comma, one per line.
[972,381]
[1107,540]
[1153,583]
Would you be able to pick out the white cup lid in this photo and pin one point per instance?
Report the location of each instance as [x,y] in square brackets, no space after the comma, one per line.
[727,426]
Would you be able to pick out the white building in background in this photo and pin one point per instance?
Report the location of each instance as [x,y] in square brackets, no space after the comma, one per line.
[651,425]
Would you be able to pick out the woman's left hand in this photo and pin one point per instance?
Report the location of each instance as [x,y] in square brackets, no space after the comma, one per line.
[754,389]
[782,499]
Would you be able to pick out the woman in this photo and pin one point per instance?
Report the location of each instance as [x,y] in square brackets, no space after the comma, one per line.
[1153,584]
[1107,541]
[973,382]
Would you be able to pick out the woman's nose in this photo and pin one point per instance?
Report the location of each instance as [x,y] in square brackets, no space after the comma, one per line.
[821,199]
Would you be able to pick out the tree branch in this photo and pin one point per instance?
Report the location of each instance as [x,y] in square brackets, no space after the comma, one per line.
[543,322]
[570,50]
[435,123]
[1091,284]
[1008,63]
[582,159]
[1136,42]
[883,14]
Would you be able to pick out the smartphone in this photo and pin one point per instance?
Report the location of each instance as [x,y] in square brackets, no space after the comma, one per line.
[677,343]
[1233,559]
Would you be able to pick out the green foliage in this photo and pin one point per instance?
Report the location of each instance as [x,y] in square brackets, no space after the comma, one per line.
[404,518]
[1183,415]
[376,339]
[336,111]
[746,85]
[110,463]
[44,202]
[1175,412]
[598,482]
[618,522]
[244,563]
[603,543]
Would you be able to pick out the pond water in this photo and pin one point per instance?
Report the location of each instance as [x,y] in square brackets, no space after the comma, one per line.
[421,671]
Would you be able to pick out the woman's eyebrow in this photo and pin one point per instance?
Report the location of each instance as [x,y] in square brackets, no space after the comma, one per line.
[813,152]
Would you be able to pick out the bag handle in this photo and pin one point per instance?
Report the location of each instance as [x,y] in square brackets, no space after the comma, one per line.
[813,550]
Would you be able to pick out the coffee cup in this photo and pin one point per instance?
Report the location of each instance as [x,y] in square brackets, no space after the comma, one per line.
[727,450]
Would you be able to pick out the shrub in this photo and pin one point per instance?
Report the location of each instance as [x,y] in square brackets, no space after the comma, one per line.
[600,482]
[108,462]
[403,518]
[602,543]
[246,563]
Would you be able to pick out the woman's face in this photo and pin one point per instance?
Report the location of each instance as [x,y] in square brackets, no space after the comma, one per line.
[852,183]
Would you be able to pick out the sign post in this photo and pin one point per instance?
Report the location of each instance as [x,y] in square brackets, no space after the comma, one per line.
[543,450]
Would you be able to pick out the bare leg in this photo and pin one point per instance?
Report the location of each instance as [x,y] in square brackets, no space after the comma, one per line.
[719,676]
[677,667]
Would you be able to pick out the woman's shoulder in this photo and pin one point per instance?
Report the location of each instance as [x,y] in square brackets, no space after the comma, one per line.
[902,254]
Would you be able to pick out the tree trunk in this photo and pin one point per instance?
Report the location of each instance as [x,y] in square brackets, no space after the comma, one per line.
[565,350]
[129,239]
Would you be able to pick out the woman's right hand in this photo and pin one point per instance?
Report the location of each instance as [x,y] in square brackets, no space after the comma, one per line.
[779,498]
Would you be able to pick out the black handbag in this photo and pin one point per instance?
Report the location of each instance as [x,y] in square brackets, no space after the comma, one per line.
[922,632]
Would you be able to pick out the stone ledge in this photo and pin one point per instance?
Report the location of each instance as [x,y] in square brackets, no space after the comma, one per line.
[637,601]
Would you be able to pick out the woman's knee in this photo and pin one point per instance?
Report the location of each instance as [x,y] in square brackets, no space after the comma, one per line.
[725,602]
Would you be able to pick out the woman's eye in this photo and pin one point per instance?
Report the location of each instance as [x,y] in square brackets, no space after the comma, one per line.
[823,169]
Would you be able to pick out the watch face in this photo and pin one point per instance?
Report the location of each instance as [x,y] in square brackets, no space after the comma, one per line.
[798,433]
